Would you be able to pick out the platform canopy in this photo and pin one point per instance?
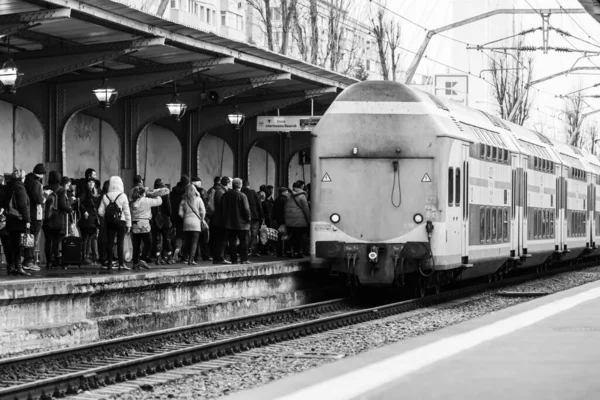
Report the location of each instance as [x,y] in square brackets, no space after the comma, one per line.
[79,43]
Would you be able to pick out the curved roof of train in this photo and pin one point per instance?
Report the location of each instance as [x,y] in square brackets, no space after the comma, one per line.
[521,137]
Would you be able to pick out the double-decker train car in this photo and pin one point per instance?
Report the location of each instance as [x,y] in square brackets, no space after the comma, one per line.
[410,189]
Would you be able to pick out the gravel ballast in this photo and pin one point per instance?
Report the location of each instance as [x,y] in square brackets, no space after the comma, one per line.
[264,365]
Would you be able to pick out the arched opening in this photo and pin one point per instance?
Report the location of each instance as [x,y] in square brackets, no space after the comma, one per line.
[90,142]
[159,155]
[299,167]
[261,167]
[215,158]
[21,138]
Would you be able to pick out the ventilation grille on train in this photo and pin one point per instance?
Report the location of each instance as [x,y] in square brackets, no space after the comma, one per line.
[458,124]
[496,121]
[437,102]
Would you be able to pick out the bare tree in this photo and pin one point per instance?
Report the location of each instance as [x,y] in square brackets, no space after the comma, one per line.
[263,8]
[378,27]
[288,11]
[359,71]
[593,133]
[511,78]
[574,118]
[314,25]
[393,35]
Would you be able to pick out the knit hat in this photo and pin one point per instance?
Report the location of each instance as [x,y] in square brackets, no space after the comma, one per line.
[137,179]
[39,169]
[158,184]
[184,181]
[196,179]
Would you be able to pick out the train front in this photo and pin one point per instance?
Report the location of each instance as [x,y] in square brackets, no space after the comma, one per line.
[374,198]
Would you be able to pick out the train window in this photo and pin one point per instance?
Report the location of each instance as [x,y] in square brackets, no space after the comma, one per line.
[450,187]
[535,224]
[535,162]
[482,224]
[482,150]
[505,224]
[583,224]
[552,223]
[488,233]
[544,223]
[505,196]
[495,153]
[551,200]
[493,225]
[488,151]
[457,188]
[499,225]
[540,223]
[505,155]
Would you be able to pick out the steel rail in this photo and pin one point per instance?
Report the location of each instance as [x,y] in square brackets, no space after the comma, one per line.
[131,367]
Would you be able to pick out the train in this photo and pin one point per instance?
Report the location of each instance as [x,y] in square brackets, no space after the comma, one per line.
[416,191]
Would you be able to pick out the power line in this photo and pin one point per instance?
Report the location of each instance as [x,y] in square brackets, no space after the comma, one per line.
[576,23]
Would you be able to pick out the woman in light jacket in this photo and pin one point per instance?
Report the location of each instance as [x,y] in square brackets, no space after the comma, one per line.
[192,210]
[116,194]
[141,214]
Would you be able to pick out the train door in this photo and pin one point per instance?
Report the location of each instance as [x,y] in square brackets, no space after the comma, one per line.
[455,202]
[515,225]
[465,205]
[558,238]
[524,212]
[564,205]
[591,203]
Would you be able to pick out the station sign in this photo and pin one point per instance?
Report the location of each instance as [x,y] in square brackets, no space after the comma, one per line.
[286,123]
[453,87]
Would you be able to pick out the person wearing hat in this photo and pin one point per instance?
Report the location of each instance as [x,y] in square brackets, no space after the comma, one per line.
[35,192]
[161,227]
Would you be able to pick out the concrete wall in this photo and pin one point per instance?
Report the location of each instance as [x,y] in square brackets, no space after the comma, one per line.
[22,136]
[261,168]
[164,155]
[90,143]
[295,170]
[215,158]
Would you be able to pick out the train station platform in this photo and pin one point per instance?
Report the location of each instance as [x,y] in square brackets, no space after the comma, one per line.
[59,308]
[542,349]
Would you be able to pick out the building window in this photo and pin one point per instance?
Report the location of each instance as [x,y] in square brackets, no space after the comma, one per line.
[223,18]
[214,18]
[208,16]
[239,22]
[174,3]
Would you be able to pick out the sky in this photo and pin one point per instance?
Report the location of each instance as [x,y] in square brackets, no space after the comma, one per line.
[448,54]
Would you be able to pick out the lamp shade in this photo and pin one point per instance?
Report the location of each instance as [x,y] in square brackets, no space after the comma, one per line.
[176,108]
[236,118]
[106,96]
[9,74]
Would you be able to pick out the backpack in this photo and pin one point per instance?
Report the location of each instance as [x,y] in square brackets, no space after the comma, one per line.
[210,202]
[158,217]
[112,214]
[51,207]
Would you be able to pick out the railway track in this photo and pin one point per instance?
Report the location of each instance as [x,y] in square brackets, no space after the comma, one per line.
[62,372]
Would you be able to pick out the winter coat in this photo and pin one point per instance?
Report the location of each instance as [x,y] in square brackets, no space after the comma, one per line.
[115,188]
[89,203]
[141,209]
[176,196]
[297,215]
[236,210]
[256,210]
[267,207]
[63,209]
[16,188]
[279,210]
[191,222]
[35,191]
[217,220]
[165,210]
[3,201]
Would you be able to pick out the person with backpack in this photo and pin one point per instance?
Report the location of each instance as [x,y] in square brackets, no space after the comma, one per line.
[161,227]
[18,218]
[192,211]
[176,195]
[114,208]
[89,223]
[141,214]
[35,191]
[56,209]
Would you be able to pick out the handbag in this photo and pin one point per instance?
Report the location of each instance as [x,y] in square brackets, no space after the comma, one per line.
[203,224]
[12,209]
[27,240]
[283,233]
[140,226]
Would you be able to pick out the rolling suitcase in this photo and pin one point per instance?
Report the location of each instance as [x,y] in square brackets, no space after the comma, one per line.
[70,249]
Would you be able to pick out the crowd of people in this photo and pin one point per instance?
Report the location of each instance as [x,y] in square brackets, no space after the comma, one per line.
[225,224]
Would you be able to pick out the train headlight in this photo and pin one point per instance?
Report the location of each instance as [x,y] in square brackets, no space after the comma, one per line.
[335,218]
[418,218]
[373,256]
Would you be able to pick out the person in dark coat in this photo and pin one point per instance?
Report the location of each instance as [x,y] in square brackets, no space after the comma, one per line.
[237,217]
[102,237]
[278,217]
[297,218]
[89,223]
[161,227]
[35,191]
[176,196]
[203,248]
[55,226]
[17,193]
[218,231]
[4,236]
[257,216]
